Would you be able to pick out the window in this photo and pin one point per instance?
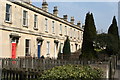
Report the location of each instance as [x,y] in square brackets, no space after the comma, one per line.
[55,47]
[72,47]
[74,34]
[46,24]
[53,26]
[70,32]
[25,18]
[48,48]
[61,46]
[8,12]
[60,28]
[65,30]
[78,35]
[35,21]
[76,46]
[27,47]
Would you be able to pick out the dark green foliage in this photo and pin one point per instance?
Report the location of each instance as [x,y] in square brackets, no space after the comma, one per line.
[72,72]
[88,37]
[113,32]
[113,29]
[66,48]
[105,40]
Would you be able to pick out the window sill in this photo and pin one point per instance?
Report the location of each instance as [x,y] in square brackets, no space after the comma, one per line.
[46,31]
[9,22]
[61,34]
[53,32]
[25,26]
[66,36]
[35,28]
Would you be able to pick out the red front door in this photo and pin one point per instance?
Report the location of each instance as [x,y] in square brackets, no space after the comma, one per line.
[13,50]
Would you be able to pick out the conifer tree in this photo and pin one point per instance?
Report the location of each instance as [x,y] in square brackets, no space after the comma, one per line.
[66,48]
[88,37]
[113,32]
[113,29]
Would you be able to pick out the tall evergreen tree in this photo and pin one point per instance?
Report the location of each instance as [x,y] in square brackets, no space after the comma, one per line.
[66,48]
[88,37]
[113,31]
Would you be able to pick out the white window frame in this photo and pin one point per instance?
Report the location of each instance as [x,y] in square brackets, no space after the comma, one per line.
[27,47]
[65,30]
[9,13]
[53,27]
[71,32]
[60,28]
[78,35]
[25,18]
[72,47]
[46,25]
[74,33]
[35,21]
[48,48]
[61,44]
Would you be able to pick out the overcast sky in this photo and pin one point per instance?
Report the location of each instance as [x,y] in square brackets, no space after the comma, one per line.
[103,11]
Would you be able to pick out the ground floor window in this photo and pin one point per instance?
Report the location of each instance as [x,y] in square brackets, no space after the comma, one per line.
[27,47]
[48,48]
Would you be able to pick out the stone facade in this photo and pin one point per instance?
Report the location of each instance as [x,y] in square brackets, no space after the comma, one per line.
[34,31]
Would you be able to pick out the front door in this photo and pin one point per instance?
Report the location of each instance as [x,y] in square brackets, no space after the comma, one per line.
[39,49]
[13,49]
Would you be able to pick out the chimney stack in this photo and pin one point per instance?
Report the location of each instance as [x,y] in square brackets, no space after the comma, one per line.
[55,11]
[72,20]
[45,6]
[65,17]
[78,24]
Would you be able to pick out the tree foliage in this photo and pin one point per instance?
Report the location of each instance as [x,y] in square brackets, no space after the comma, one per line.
[105,40]
[66,48]
[113,32]
[88,37]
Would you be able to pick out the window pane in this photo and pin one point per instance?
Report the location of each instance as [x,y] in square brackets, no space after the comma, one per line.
[24,17]
[35,20]
[27,47]
[8,8]
[7,17]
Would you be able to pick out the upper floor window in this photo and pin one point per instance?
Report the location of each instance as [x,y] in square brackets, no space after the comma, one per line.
[74,34]
[46,24]
[65,30]
[60,28]
[35,21]
[8,12]
[70,32]
[78,35]
[53,27]
[25,18]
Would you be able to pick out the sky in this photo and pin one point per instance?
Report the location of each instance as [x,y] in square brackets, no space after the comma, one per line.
[103,12]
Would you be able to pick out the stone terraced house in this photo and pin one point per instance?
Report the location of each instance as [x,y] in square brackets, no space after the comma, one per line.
[26,30]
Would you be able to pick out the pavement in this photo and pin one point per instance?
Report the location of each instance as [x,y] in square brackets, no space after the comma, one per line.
[117,72]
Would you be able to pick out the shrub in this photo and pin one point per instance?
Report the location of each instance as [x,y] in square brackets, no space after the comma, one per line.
[71,72]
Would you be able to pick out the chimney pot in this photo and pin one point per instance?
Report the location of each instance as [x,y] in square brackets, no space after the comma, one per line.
[55,11]
[79,23]
[72,20]
[45,5]
[65,17]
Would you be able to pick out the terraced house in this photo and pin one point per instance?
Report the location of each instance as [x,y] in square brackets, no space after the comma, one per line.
[26,30]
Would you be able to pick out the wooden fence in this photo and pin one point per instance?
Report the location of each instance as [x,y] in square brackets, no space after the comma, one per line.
[31,68]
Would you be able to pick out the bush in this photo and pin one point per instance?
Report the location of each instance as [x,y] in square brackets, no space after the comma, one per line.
[71,72]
